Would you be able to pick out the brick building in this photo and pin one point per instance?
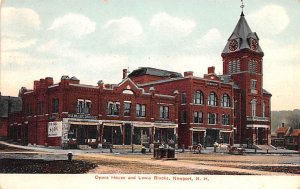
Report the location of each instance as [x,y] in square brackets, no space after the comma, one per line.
[10,108]
[72,114]
[228,108]
[153,105]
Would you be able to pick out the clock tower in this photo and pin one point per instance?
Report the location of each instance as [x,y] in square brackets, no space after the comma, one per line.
[243,63]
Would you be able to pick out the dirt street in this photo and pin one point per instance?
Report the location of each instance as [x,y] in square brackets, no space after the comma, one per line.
[136,163]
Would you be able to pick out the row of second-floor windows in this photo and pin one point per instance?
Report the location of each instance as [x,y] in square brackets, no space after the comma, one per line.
[140,110]
[253,108]
[212,118]
[164,112]
[212,99]
[40,107]
[83,106]
[113,108]
[55,105]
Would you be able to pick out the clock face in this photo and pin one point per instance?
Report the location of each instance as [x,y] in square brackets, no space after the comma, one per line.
[253,44]
[233,45]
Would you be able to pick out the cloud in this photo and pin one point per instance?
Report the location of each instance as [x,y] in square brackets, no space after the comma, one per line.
[19,26]
[55,47]
[19,22]
[8,44]
[269,20]
[75,25]
[170,26]
[124,30]
[212,38]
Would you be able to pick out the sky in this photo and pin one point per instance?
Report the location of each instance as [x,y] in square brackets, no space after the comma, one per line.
[94,40]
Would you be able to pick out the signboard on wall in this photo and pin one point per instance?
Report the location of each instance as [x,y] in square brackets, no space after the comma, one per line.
[55,129]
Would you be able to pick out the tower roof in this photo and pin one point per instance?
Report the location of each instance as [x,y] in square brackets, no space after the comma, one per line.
[243,34]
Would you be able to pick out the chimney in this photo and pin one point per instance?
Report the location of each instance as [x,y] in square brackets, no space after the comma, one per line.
[124,73]
[211,70]
[49,81]
[100,84]
[36,84]
[188,73]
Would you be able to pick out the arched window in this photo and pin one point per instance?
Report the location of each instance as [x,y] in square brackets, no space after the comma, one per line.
[225,100]
[212,99]
[198,97]
[253,107]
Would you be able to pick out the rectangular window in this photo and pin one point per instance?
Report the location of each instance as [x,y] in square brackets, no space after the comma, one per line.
[87,106]
[113,108]
[183,98]
[230,67]
[183,116]
[164,112]
[29,109]
[140,110]
[212,118]
[40,108]
[127,107]
[80,106]
[253,84]
[225,119]
[238,66]
[198,117]
[55,104]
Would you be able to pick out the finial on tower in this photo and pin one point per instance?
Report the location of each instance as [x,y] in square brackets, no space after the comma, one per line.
[242,6]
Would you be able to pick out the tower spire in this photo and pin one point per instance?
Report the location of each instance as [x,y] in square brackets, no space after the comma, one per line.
[242,6]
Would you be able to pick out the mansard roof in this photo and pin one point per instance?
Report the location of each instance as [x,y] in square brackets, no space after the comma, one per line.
[242,33]
[153,72]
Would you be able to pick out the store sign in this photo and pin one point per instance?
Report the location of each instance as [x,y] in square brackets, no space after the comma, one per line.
[65,131]
[55,129]
[81,116]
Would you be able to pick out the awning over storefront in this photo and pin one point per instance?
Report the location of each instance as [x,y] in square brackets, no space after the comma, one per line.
[142,124]
[83,123]
[165,125]
[226,131]
[198,129]
[257,126]
[112,124]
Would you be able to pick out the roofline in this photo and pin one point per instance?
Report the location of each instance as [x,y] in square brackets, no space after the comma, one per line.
[83,85]
[176,79]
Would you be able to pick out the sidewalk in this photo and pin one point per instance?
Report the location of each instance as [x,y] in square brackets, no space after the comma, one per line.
[208,150]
